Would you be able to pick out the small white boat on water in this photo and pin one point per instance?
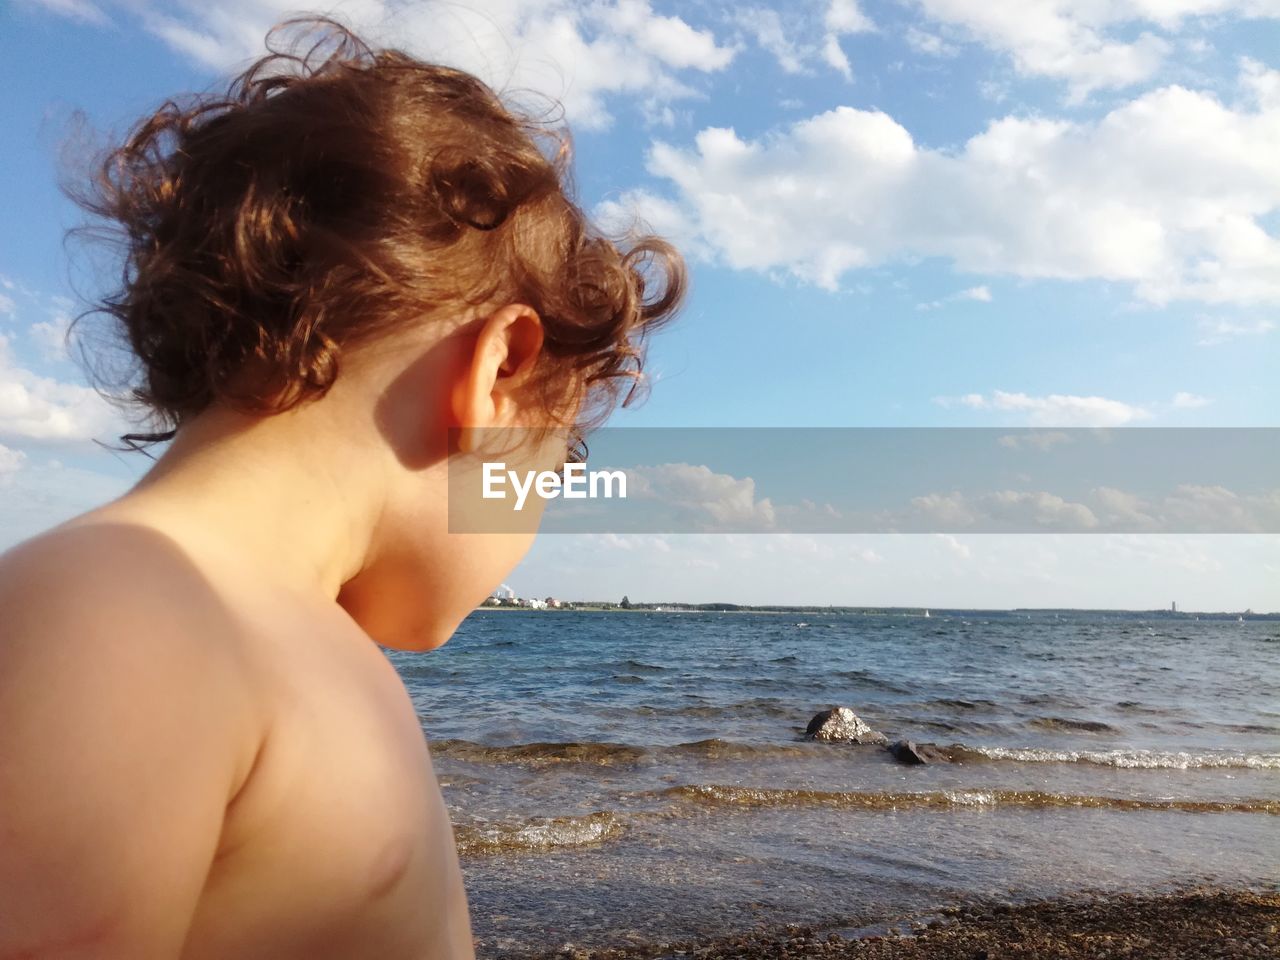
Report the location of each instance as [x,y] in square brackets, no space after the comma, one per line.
[927,614]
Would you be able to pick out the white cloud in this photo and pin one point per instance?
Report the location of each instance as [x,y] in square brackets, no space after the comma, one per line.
[867,555]
[80,10]
[981,294]
[944,510]
[33,407]
[50,336]
[579,52]
[10,461]
[1163,553]
[1204,509]
[835,57]
[1121,507]
[1038,509]
[1187,509]
[1216,330]
[629,542]
[1088,46]
[1215,509]
[1189,401]
[955,547]
[1055,409]
[1014,510]
[764,25]
[929,44]
[43,494]
[715,499]
[1061,39]
[1166,193]
[669,39]
[845,16]
[795,39]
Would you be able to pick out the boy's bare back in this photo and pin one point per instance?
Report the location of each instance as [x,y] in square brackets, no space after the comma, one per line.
[249,776]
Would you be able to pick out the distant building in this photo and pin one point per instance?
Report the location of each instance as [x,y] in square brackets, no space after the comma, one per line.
[553,604]
[1175,606]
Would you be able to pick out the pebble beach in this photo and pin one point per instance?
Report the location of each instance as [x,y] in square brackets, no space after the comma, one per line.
[1191,925]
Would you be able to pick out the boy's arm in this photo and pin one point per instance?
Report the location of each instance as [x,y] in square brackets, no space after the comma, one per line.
[120,745]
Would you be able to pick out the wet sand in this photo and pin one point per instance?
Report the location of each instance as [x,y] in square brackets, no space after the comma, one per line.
[1200,924]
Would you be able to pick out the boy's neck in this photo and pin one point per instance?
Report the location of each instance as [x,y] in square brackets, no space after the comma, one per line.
[276,492]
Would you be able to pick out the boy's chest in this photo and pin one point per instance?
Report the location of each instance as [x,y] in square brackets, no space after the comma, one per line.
[339,844]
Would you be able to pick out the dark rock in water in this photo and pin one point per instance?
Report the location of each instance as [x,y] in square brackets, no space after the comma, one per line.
[904,751]
[842,724]
[910,752]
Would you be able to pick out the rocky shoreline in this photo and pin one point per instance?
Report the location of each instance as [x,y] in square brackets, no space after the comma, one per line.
[1198,924]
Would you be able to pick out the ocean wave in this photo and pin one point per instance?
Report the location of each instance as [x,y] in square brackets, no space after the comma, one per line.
[538,834]
[1131,759]
[733,796]
[551,834]
[1069,723]
[756,707]
[716,749]
[867,678]
[611,754]
[1137,706]
[606,754]
[955,703]
[639,666]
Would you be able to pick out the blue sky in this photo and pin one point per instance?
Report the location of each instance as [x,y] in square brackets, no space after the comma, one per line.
[930,213]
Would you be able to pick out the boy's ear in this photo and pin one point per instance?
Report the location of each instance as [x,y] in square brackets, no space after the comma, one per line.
[501,361]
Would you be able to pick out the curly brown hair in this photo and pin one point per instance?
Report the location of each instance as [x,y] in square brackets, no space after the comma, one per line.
[334,193]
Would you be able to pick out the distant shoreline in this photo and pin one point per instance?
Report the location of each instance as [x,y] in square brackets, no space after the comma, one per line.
[934,612]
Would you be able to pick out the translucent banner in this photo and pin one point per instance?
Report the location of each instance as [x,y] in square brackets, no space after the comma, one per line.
[871,480]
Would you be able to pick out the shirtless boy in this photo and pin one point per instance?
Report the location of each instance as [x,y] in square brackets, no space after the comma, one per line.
[335,273]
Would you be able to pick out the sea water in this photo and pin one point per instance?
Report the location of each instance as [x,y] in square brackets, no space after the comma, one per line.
[619,778]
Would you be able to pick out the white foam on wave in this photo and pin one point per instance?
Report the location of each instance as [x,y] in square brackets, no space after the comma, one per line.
[541,834]
[1137,759]
[972,798]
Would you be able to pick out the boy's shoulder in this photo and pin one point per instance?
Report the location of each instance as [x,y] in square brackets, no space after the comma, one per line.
[105,611]
[94,578]
[123,715]
[102,600]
